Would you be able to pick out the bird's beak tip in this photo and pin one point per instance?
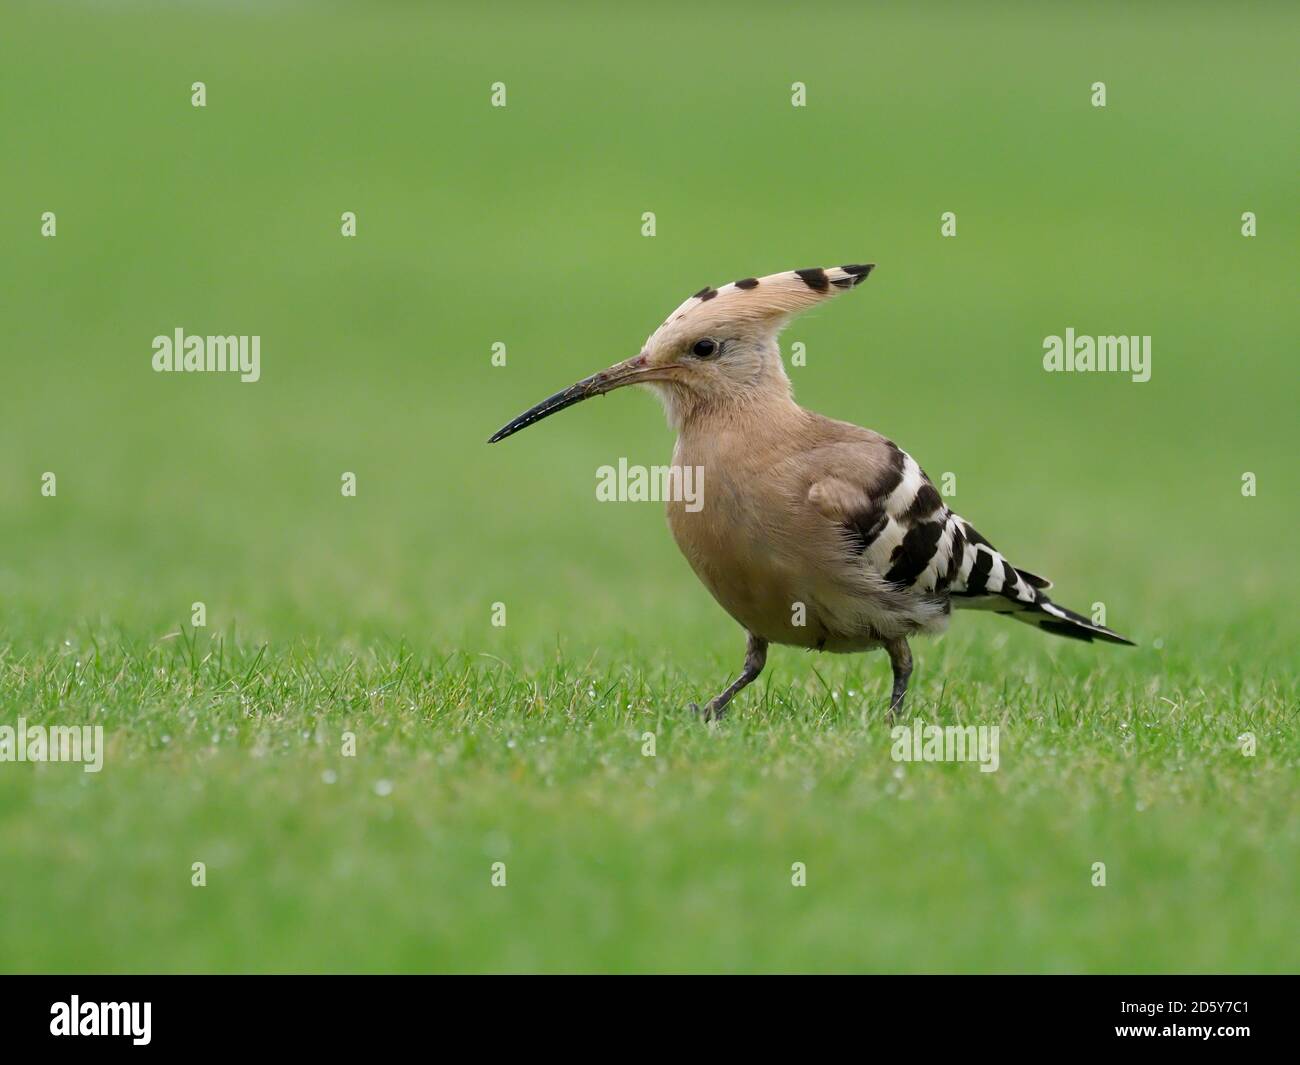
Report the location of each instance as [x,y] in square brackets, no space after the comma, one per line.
[595,385]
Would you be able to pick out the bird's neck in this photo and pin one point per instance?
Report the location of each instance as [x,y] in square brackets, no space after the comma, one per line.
[758,413]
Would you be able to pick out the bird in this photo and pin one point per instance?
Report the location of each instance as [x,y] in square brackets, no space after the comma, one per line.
[811,532]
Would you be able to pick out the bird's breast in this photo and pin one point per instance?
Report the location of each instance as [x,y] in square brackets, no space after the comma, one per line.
[745,541]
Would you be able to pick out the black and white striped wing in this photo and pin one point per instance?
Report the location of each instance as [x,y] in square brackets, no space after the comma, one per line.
[920,546]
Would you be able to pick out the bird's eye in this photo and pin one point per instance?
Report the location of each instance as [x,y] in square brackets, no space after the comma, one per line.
[704,349]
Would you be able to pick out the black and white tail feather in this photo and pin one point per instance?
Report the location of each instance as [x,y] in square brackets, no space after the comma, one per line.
[987,581]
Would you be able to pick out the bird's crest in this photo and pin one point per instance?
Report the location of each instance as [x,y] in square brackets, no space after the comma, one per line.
[776,296]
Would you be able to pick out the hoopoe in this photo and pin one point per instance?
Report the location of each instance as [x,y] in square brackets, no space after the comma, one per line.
[813,533]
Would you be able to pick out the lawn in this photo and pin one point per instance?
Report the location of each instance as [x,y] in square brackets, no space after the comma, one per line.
[350,745]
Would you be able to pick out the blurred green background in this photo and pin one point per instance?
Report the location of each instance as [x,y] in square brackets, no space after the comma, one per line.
[523,225]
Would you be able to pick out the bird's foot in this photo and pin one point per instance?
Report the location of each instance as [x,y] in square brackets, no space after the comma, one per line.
[708,712]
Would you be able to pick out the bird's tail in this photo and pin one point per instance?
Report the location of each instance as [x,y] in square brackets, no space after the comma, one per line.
[1042,613]
[987,581]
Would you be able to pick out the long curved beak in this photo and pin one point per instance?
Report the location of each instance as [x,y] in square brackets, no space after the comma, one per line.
[618,375]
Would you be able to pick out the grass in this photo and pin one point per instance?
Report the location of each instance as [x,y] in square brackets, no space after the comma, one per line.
[619,861]
[524,744]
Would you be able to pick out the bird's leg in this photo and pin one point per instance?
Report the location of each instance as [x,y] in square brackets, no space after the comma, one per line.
[900,657]
[755,659]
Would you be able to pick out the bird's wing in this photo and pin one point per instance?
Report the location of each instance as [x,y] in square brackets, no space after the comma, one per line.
[895,519]
[891,514]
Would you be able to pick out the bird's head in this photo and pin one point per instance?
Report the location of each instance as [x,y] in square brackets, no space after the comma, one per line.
[717,348]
